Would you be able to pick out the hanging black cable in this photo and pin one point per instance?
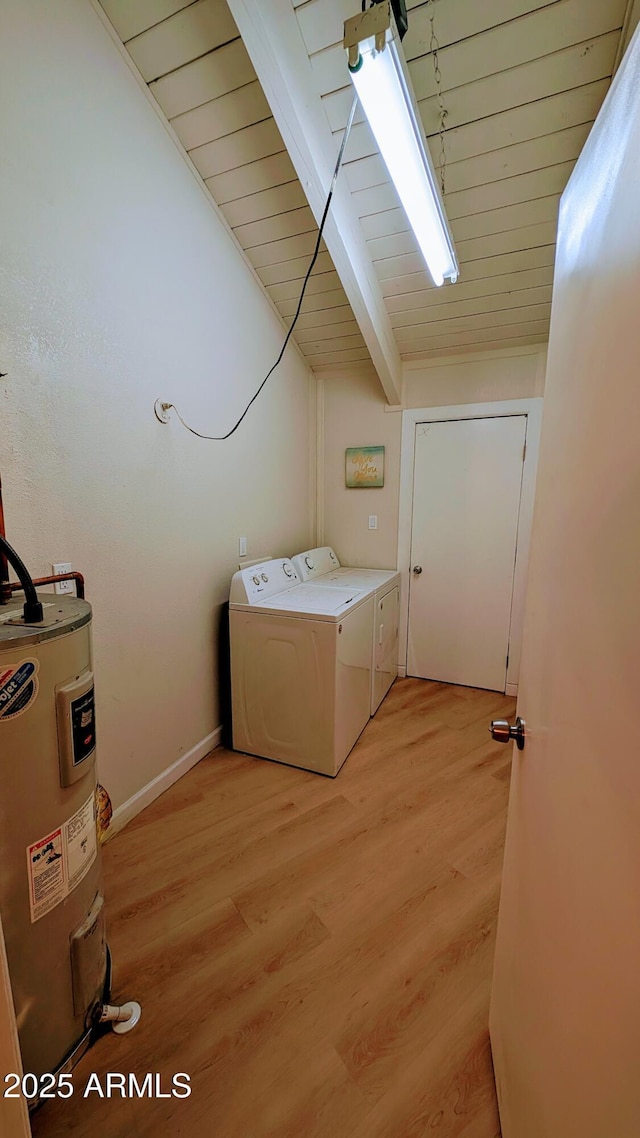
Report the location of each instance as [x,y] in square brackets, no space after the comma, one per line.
[33,612]
[221,438]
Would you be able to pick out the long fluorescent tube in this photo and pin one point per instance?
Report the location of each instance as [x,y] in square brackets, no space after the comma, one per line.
[384,89]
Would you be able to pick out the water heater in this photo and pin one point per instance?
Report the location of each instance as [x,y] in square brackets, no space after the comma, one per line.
[50,883]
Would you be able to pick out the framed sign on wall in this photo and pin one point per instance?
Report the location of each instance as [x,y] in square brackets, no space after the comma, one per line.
[364,468]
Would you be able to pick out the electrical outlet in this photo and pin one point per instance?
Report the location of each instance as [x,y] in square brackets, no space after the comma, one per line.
[373,521]
[242,547]
[63,586]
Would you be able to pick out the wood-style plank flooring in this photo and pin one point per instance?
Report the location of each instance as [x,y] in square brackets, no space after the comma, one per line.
[315,953]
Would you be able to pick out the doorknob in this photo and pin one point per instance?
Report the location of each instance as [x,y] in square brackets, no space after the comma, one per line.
[417,570]
[502,731]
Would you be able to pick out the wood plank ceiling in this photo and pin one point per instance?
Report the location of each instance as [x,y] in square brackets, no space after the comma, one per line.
[522,81]
[197,69]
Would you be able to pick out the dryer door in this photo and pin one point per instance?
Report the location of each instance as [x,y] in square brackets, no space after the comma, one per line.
[354,654]
[385,640]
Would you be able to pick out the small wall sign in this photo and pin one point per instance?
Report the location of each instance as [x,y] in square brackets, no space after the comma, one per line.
[364,468]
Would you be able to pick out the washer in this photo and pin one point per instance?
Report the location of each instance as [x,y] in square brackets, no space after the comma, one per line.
[322,566]
[300,666]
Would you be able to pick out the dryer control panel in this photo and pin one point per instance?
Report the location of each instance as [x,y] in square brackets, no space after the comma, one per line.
[315,562]
[265,580]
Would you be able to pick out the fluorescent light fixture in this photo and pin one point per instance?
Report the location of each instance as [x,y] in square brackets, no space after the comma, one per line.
[384,89]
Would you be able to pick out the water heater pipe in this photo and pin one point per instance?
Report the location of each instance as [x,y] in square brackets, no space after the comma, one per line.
[32,609]
[122,1019]
[53,579]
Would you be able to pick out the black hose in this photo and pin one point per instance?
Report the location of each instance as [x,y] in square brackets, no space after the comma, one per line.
[33,611]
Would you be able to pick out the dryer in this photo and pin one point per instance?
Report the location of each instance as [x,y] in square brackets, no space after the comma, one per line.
[322,566]
[300,666]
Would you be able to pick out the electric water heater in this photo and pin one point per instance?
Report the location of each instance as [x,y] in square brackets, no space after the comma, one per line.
[50,884]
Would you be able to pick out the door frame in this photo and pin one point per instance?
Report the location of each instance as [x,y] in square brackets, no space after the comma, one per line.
[532,409]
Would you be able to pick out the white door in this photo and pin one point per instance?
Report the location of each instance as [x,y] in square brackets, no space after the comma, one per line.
[466,500]
[565,1017]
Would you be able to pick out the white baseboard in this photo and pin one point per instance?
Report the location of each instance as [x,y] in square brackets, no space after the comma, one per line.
[511,689]
[134,805]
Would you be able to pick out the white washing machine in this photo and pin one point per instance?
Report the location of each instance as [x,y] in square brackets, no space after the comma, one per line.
[300,666]
[322,566]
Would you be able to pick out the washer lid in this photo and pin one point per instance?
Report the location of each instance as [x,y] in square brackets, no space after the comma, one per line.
[313,602]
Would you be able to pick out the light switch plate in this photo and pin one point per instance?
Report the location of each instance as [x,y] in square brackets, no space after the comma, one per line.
[373,521]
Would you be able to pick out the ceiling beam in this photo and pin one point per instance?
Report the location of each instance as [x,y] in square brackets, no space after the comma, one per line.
[629,25]
[273,40]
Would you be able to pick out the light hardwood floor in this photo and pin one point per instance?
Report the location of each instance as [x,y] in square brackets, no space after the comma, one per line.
[315,953]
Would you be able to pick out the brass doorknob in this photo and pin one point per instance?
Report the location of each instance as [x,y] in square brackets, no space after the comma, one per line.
[417,570]
[503,731]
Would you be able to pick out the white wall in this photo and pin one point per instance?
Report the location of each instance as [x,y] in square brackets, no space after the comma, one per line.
[120,284]
[352,409]
[355,413]
[481,377]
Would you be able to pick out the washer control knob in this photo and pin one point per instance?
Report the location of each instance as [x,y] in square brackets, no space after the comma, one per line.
[309,563]
[256,580]
[287,569]
[264,577]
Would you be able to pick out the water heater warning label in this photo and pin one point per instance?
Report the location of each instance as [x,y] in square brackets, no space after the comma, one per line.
[58,862]
[18,688]
[46,867]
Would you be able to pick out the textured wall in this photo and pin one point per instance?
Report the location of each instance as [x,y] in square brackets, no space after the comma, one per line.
[354,415]
[120,284]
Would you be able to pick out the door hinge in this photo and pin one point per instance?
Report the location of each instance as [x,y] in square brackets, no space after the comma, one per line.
[507,663]
[524,451]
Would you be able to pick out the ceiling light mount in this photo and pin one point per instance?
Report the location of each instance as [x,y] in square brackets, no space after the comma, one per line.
[381,79]
[367,30]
